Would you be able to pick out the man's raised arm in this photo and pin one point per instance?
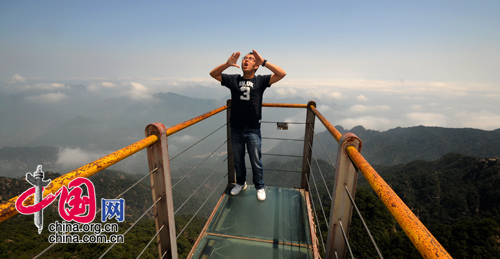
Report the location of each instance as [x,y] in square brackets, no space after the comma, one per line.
[278,72]
[231,62]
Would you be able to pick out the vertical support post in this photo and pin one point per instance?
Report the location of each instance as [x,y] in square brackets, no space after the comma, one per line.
[161,187]
[346,176]
[231,174]
[308,142]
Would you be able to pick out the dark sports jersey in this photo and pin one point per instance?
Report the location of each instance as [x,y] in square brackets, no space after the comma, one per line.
[246,99]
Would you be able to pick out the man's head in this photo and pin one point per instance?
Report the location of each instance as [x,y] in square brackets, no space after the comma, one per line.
[248,64]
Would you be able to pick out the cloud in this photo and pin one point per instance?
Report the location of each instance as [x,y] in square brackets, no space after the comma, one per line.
[47,98]
[73,158]
[16,79]
[98,86]
[368,122]
[361,98]
[45,87]
[284,92]
[108,84]
[323,94]
[139,92]
[363,108]
[184,138]
[409,88]
[427,118]
[416,107]
[479,120]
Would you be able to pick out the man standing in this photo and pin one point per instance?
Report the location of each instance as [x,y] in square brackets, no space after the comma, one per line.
[246,113]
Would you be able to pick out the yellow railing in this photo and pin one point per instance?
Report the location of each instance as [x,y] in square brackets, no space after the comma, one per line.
[420,236]
[8,209]
[423,240]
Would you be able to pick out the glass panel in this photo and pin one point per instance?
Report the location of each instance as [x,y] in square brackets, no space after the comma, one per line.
[222,247]
[281,217]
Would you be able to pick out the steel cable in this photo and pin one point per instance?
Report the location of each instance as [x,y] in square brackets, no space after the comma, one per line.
[345,238]
[137,182]
[320,172]
[317,193]
[363,221]
[192,170]
[316,214]
[201,206]
[150,241]
[197,142]
[199,186]
[152,206]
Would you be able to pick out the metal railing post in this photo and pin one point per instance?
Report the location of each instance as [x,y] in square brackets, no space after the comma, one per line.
[346,176]
[161,188]
[308,142]
[231,174]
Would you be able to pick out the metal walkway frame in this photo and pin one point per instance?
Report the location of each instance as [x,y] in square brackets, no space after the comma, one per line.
[349,163]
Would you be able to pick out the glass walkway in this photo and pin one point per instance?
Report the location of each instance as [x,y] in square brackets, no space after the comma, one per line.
[244,227]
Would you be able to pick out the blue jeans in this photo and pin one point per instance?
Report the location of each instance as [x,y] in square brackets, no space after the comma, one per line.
[252,139]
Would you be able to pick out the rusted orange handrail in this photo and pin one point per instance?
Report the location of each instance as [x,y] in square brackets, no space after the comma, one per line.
[284,105]
[335,133]
[422,239]
[8,209]
[194,120]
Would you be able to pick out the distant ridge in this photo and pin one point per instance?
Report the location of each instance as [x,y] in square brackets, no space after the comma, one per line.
[402,145]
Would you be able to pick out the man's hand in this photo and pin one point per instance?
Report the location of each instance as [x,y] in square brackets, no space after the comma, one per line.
[231,61]
[258,59]
[278,72]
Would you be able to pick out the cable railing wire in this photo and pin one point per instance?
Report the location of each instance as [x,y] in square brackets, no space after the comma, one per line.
[327,155]
[269,154]
[322,146]
[99,210]
[150,241]
[192,170]
[316,215]
[363,221]
[283,139]
[282,121]
[187,224]
[280,170]
[133,185]
[350,197]
[320,171]
[198,142]
[345,238]
[133,225]
[199,186]
[317,193]
[211,194]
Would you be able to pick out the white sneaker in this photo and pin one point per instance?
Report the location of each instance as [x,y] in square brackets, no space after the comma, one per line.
[238,188]
[261,194]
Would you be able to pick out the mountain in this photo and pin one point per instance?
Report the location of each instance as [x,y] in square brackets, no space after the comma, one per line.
[20,239]
[80,136]
[402,145]
[117,122]
[391,147]
[17,161]
[456,197]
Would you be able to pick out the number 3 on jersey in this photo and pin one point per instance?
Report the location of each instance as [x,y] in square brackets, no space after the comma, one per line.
[246,93]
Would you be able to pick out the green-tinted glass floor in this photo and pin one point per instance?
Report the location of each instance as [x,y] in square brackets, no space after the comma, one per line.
[244,227]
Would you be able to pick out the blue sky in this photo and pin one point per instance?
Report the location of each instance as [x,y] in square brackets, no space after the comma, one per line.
[385,63]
